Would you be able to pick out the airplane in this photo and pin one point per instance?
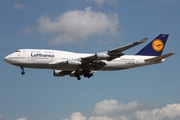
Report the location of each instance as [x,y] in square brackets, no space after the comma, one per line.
[81,64]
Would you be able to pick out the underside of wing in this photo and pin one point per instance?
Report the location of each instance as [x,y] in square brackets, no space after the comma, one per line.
[92,64]
[80,64]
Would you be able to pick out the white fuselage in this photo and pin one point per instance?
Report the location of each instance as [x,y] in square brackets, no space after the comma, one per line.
[45,59]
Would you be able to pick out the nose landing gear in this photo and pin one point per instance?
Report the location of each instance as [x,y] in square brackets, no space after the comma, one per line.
[22,72]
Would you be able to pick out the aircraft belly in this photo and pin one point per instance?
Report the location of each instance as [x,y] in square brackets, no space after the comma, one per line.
[30,65]
[46,66]
[116,66]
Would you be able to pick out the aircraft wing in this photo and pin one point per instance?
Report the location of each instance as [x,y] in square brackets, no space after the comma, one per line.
[92,64]
[96,61]
[113,53]
[123,48]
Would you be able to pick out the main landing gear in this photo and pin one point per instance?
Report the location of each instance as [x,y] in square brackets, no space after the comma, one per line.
[87,74]
[78,77]
[22,72]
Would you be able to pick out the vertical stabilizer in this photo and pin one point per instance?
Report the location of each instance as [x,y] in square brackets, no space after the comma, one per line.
[155,47]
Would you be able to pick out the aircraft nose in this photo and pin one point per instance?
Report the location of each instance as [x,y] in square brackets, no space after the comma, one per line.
[6,59]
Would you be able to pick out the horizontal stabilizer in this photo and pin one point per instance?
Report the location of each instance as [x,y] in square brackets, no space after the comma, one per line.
[160,57]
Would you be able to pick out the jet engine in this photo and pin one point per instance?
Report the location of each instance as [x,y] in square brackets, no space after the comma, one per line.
[102,56]
[73,63]
[59,73]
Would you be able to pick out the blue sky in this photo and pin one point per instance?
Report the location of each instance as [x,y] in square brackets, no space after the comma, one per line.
[144,93]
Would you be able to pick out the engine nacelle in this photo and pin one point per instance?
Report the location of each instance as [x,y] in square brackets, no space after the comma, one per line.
[59,73]
[73,74]
[102,56]
[73,63]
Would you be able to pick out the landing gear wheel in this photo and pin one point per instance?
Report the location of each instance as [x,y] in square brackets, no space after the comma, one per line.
[90,75]
[22,73]
[87,73]
[78,78]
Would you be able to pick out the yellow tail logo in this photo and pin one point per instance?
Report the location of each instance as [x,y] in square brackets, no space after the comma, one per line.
[157,45]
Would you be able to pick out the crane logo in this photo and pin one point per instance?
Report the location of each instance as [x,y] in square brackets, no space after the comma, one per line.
[157,45]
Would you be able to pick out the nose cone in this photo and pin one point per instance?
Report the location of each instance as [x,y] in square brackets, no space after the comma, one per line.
[6,59]
[11,58]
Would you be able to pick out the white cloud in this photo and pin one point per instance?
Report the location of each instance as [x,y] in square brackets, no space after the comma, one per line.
[113,110]
[77,25]
[112,106]
[77,116]
[123,118]
[170,112]
[18,6]
[23,118]
[100,2]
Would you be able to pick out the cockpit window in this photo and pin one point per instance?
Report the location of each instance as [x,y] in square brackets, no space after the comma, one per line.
[17,50]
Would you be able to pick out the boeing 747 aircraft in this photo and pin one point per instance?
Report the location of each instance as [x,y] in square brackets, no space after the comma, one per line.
[80,64]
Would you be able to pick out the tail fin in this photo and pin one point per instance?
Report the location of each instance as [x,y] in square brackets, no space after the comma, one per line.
[155,47]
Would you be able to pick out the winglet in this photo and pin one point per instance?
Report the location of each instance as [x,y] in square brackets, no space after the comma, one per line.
[143,40]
